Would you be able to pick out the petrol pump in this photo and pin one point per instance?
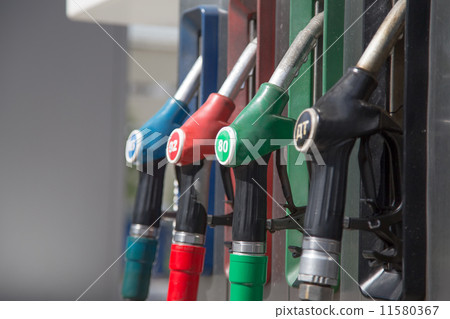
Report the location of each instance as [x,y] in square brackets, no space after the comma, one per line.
[201,33]
[258,124]
[332,126]
[146,146]
[188,147]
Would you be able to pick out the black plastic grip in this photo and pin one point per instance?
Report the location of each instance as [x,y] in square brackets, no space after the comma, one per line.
[147,207]
[193,202]
[326,200]
[250,206]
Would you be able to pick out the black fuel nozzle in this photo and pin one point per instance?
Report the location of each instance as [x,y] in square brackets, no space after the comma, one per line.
[328,132]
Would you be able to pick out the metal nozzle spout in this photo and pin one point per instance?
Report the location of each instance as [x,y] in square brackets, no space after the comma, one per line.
[384,40]
[297,53]
[190,84]
[230,88]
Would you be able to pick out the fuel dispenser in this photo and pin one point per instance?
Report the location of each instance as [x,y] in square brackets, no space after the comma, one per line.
[261,122]
[244,13]
[245,139]
[188,147]
[332,126]
[145,147]
[187,259]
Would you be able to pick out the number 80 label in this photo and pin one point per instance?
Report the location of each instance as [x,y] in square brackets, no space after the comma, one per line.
[225,145]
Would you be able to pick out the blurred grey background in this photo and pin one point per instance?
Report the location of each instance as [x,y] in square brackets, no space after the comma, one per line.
[62,102]
[69,96]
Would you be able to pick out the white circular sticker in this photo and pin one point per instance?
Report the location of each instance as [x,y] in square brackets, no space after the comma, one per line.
[225,145]
[133,146]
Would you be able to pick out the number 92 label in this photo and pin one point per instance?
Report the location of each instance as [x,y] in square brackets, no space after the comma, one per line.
[175,146]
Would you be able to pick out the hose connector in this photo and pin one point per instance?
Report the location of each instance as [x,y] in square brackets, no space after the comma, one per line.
[186,265]
[247,277]
[319,266]
[139,258]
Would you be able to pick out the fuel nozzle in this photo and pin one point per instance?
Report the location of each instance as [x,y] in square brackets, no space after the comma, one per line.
[261,120]
[146,148]
[332,125]
[188,148]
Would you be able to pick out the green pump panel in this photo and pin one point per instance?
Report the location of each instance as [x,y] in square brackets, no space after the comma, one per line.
[301,93]
[333,43]
[333,48]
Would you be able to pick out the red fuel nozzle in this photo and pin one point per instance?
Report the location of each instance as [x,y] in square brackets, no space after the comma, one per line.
[187,146]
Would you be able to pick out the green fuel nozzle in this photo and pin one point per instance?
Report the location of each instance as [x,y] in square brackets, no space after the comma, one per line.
[260,129]
[240,145]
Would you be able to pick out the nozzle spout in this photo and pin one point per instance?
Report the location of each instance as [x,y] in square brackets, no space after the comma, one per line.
[384,40]
[231,86]
[190,84]
[297,53]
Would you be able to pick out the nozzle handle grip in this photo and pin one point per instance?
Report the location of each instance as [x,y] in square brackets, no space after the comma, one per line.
[328,185]
[250,206]
[139,260]
[147,206]
[186,265]
[193,202]
[247,277]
